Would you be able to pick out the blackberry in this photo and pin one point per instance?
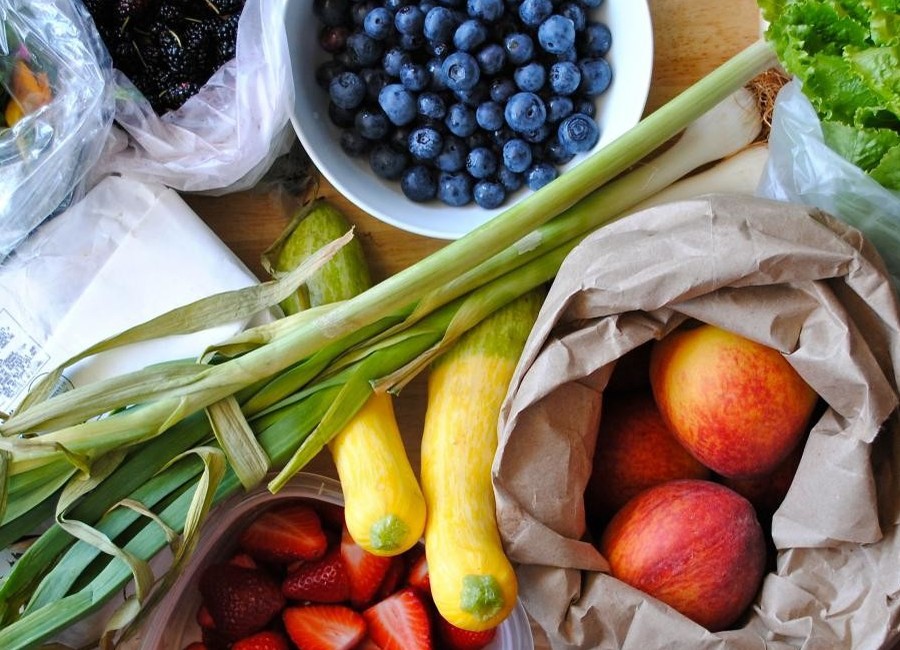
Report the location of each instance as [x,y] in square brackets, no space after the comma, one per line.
[176,94]
[169,13]
[224,7]
[226,38]
[126,58]
[131,10]
[197,40]
[172,52]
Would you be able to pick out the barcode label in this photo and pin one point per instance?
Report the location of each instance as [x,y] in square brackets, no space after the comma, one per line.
[21,358]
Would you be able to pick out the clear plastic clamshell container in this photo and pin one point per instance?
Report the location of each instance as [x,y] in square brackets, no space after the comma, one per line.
[172,625]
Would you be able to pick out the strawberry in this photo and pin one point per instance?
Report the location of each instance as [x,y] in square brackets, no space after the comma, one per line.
[456,638]
[204,619]
[418,574]
[331,514]
[365,570]
[244,560]
[265,640]
[369,644]
[400,622]
[240,601]
[285,534]
[393,578]
[321,581]
[324,627]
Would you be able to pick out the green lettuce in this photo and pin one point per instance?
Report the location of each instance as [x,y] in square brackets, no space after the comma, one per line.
[846,55]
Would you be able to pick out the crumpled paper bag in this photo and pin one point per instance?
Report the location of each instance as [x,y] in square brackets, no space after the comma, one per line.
[789,276]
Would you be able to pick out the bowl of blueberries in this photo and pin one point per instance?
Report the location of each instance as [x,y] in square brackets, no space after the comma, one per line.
[435,115]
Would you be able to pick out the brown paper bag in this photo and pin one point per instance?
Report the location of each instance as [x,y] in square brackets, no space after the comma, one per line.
[788,276]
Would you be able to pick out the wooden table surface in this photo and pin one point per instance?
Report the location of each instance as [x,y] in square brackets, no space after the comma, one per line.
[691,38]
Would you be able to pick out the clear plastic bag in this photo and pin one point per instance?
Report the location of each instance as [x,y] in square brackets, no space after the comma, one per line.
[224,138]
[46,153]
[803,169]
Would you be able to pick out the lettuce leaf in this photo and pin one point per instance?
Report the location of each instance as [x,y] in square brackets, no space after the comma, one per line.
[846,55]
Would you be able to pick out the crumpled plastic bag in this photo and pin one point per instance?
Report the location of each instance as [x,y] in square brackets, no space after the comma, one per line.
[803,169]
[224,138]
[46,155]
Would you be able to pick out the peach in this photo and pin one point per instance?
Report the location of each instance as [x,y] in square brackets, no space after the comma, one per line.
[695,545]
[738,406]
[635,450]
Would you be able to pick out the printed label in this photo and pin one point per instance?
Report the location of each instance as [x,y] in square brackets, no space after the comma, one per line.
[21,358]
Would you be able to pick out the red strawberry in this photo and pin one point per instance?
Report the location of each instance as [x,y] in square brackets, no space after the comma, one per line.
[204,619]
[418,574]
[265,640]
[400,622]
[285,534]
[331,514]
[365,570]
[321,581]
[456,638]
[393,578]
[369,644]
[244,560]
[324,627]
[240,601]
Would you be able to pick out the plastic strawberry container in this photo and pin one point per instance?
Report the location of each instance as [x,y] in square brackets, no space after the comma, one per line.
[172,624]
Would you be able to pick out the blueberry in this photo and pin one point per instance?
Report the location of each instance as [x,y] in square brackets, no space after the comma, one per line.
[519,48]
[331,12]
[596,41]
[592,4]
[574,12]
[585,105]
[473,97]
[387,162]
[460,120]
[363,49]
[375,79]
[559,108]
[489,194]
[399,138]
[347,90]
[454,189]
[409,20]
[491,58]
[534,12]
[487,10]
[565,77]
[425,143]
[398,104]
[372,125]
[479,140]
[469,35]
[517,155]
[439,24]
[353,143]
[452,157]
[502,89]
[578,133]
[411,42]
[481,162]
[327,71]
[539,175]
[556,152]
[333,39]
[510,180]
[536,135]
[418,183]
[556,34]
[433,66]
[395,5]
[596,76]
[489,116]
[460,71]
[525,112]
[414,76]
[431,105]
[359,11]
[530,77]
[394,59]
[379,23]
[342,117]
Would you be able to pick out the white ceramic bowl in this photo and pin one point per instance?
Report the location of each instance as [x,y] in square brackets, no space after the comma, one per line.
[172,624]
[618,109]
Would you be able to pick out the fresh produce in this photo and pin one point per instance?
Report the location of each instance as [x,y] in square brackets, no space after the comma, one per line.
[472,581]
[254,605]
[635,450]
[28,91]
[845,54]
[299,374]
[695,545]
[168,48]
[385,508]
[466,102]
[737,405]
[766,492]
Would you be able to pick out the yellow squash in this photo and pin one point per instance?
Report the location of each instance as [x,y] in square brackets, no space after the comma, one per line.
[472,581]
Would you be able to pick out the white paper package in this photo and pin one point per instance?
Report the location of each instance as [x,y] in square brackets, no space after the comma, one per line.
[126,253]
